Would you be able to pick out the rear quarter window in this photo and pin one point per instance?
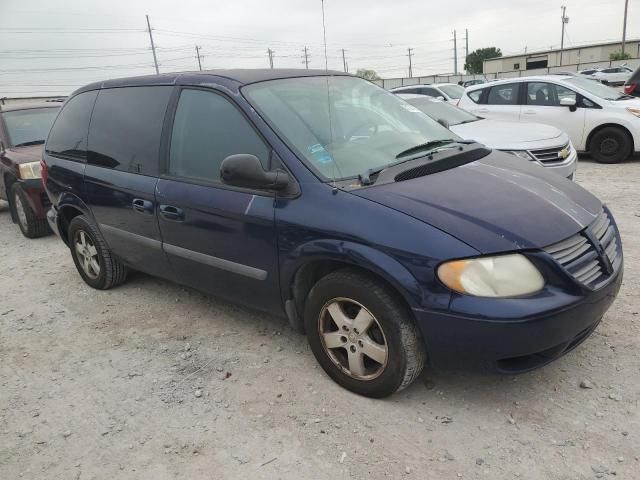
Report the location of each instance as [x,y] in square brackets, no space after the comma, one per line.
[126,129]
[68,136]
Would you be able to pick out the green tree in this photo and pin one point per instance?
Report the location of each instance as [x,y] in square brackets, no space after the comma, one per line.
[367,74]
[475,59]
[619,56]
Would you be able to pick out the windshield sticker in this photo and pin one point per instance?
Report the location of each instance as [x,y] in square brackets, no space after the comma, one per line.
[319,153]
[410,108]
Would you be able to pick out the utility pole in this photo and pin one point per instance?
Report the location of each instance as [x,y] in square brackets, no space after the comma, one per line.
[306,58]
[624,26]
[455,53]
[270,52]
[198,57]
[344,61]
[153,46]
[466,45]
[565,20]
[410,64]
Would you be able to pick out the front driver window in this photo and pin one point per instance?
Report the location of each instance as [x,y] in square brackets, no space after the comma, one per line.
[548,94]
[206,130]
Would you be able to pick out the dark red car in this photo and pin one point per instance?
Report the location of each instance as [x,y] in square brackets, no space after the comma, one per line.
[23,130]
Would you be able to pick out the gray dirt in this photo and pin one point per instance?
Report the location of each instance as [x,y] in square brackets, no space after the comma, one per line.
[155,381]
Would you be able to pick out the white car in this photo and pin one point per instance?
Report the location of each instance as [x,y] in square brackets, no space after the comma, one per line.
[613,75]
[597,118]
[449,92]
[543,144]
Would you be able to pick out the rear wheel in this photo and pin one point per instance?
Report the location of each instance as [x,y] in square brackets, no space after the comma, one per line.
[362,334]
[95,262]
[30,225]
[610,145]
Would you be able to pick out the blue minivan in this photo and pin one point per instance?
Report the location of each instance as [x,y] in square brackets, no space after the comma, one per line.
[321,197]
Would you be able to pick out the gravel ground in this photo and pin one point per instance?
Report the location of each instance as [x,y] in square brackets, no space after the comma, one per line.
[155,381]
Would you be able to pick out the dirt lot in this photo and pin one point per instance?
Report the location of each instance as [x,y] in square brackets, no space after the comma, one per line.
[155,381]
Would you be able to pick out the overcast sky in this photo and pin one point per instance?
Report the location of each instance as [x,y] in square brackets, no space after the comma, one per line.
[54,46]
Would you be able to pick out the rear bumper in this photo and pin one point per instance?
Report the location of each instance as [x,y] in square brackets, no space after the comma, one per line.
[515,345]
[52,220]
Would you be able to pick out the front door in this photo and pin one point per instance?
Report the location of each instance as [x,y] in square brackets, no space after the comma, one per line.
[218,238]
[542,105]
[502,103]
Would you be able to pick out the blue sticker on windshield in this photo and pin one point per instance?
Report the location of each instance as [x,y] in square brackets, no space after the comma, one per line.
[319,153]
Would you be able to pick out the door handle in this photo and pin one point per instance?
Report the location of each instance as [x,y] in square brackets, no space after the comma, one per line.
[172,213]
[142,206]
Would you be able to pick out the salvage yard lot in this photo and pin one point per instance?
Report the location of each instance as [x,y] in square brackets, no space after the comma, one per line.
[155,381]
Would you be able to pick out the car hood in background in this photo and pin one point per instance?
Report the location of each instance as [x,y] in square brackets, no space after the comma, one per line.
[511,135]
[19,155]
[496,204]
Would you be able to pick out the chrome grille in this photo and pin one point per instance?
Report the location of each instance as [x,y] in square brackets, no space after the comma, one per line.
[592,255]
[550,156]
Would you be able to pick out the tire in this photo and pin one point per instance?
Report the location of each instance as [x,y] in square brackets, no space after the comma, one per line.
[95,263]
[349,295]
[30,225]
[610,145]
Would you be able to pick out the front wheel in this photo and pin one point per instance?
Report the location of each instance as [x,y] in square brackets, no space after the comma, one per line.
[30,224]
[362,334]
[610,145]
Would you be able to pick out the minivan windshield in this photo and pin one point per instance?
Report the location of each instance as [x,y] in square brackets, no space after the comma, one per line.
[30,126]
[341,125]
[595,88]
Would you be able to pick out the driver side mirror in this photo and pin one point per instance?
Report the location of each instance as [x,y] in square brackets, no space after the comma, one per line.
[568,102]
[440,97]
[244,170]
[444,123]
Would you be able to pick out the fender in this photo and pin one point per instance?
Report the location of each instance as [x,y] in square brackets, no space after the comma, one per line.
[355,254]
[70,200]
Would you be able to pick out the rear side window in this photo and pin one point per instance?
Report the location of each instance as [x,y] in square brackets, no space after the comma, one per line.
[432,92]
[504,94]
[207,129]
[475,95]
[68,136]
[126,127]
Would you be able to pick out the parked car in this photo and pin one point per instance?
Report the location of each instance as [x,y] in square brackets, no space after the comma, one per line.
[543,144]
[449,92]
[597,118]
[23,130]
[476,81]
[632,86]
[320,196]
[589,71]
[613,75]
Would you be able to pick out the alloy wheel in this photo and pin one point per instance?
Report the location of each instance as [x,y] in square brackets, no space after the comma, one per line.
[353,339]
[87,254]
[609,146]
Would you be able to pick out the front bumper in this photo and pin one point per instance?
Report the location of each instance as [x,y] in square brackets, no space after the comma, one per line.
[494,341]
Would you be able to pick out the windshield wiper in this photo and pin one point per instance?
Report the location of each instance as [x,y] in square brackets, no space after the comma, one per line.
[468,121]
[26,144]
[625,97]
[425,146]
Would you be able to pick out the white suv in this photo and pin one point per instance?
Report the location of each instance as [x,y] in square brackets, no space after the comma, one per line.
[597,118]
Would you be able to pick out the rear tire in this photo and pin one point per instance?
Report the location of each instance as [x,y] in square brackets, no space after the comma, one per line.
[610,145]
[382,357]
[95,263]
[30,225]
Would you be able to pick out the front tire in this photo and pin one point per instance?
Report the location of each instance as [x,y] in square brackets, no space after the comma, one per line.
[610,145]
[30,225]
[95,263]
[362,334]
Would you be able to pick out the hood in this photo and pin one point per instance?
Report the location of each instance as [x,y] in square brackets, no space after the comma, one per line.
[494,204]
[512,135]
[19,155]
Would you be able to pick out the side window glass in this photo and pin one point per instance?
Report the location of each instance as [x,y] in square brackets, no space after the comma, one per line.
[548,94]
[207,129]
[432,92]
[126,128]
[475,96]
[69,133]
[504,94]
[586,103]
[562,92]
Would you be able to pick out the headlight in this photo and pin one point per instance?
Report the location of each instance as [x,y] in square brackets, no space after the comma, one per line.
[520,153]
[503,276]
[634,111]
[30,171]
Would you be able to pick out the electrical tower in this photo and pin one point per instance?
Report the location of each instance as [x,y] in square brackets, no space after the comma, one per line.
[198,57]
[410,63]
